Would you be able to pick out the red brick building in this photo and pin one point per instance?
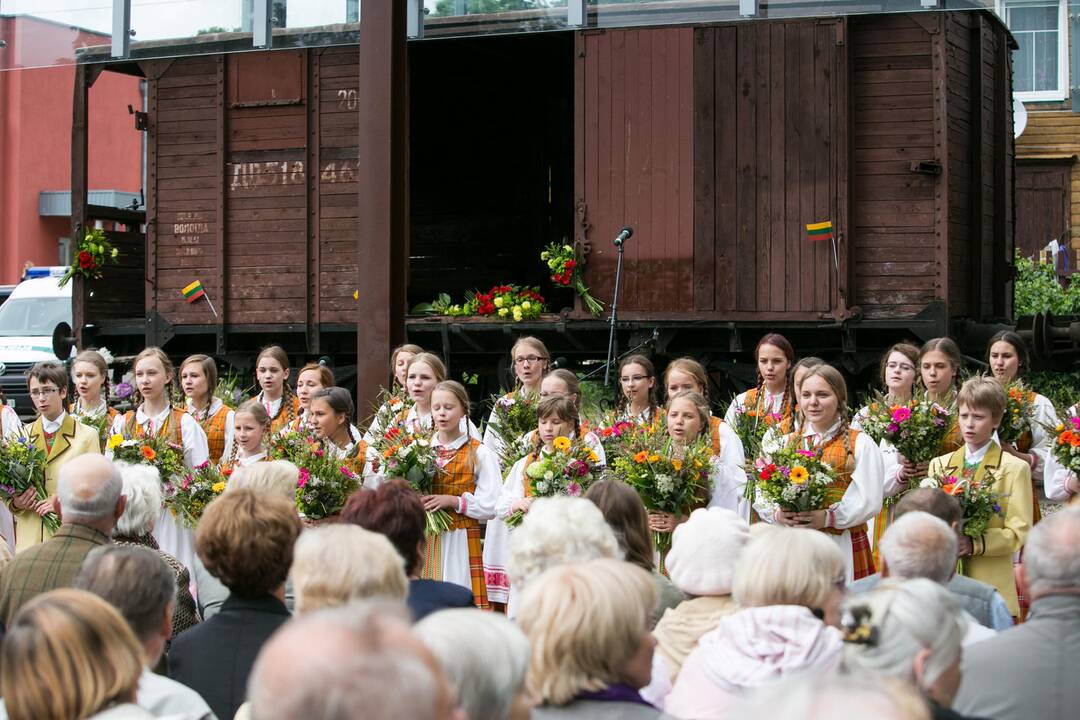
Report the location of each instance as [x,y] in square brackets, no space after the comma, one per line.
[36,84]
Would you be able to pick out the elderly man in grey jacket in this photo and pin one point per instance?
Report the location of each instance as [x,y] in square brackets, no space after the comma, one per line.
[1030,670]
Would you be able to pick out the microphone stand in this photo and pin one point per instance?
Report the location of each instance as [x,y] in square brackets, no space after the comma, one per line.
[614,308]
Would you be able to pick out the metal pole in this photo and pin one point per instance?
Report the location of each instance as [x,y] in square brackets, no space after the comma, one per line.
[121,28]
[614,310]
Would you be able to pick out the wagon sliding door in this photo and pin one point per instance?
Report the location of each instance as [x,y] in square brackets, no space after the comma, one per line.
[718,144]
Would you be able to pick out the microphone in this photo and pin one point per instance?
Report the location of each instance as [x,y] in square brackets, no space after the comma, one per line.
[623,235]
[560,362]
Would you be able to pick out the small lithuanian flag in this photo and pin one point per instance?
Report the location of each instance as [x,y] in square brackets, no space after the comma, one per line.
[193,292]
[819,231]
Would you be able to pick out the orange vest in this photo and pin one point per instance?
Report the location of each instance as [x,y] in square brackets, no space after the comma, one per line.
[458,477]
[714,426]
[841,458]
[751,401]
[132,430]
[289,411]
[214,427]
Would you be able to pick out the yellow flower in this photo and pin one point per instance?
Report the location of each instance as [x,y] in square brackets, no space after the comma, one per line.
[502,311]
[526,305]
[798,475]
[561,443]
[114,441]
[499,302]
[517,313]
[593,457]
[697,464]
[677,464]
[218,488]
[654,458]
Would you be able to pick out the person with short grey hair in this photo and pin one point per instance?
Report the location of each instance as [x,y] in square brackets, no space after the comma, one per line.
[1029,671]
[340,663]
[908,630]
[135,528]
[485,656]
[141,586]
[89,502]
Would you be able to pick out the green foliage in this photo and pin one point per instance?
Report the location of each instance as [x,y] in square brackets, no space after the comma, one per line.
[476,7]
[1061,388]
[215,29]
[1037,290]
[596,400]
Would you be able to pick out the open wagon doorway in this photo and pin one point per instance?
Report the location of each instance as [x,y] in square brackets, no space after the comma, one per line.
[490,162]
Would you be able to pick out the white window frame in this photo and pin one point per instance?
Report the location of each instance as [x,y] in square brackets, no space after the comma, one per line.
[1062,92]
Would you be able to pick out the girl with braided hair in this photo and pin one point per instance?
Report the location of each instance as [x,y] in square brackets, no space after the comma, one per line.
[247,442]
[855,495]
[276,395]
[775,358]
[198,378]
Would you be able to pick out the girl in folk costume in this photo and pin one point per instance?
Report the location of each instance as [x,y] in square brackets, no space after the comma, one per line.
[1008,358]
[312,378]
[688,375]
[775,359]
[90,374]
[61,437]
[557,415]
[562,382]
[331,414]
[637,381]
[399,366]
[247,442]
[155,417]
[424,373]
[198,378]
[277,396]
[855,496]
[989,558]
[466,486]
[531,360]
[897,374]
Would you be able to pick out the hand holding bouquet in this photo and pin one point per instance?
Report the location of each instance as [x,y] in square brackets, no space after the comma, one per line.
[188,499]
[569,469]
[22,468]
[978,501]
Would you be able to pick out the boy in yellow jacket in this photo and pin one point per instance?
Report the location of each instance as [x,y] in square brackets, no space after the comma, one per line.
[61,437]
[989,558]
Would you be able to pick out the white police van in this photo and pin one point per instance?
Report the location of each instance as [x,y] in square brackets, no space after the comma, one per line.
[27,320]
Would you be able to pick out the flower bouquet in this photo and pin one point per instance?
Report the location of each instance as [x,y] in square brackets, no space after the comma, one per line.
[566,271]
[324,485]
[611,436]
[99,423]
[514,418]
[504,302]
[411,457]
[165,456]
[391,404]
[568,470]
[1066,445]
[751,424]
[90,256]
[978,501]
[1019,411]
[669,478]
[188,498]
[917,429]
[22,467]
[793,478]
[878,416]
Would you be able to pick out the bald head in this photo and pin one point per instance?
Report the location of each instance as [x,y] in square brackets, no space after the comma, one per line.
[89,493]
[328,663]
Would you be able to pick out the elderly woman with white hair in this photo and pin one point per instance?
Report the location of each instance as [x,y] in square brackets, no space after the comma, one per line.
[908,630]
[485,657]
[701,563]
[790,584]
[334,565]
[588,627]
[556,531]
[142,488]
[275,476]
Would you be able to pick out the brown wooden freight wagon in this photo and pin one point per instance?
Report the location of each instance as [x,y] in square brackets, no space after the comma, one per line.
[716,142]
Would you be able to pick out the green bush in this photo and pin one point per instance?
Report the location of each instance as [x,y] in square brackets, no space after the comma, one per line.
[1060,388]
[1037,290]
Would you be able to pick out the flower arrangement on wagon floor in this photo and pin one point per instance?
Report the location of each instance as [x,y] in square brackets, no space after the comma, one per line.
[22,468]
[503,302]
[411,457]
[569,469]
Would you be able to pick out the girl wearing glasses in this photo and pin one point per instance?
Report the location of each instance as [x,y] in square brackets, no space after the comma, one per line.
[898,371]
[61,437]
[637,381]
[531,360]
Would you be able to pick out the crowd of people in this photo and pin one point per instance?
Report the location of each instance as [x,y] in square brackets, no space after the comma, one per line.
[595,604]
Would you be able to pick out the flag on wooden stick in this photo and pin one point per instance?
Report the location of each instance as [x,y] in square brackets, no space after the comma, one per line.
[194,291]
[819,231]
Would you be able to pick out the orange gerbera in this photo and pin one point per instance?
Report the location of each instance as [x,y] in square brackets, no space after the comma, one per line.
[148,453]
[641,457]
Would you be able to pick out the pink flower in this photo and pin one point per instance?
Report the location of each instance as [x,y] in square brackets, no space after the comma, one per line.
[186,483]
[348,473]
[304,476]
[806,453]
[1075,422]
[901,414]
[203,466]
[573,489]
